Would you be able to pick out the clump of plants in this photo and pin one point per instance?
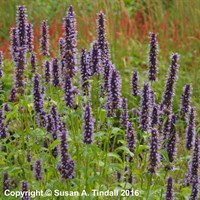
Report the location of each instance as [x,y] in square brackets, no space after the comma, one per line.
[65,124]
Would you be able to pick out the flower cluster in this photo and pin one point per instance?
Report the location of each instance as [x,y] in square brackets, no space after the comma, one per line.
[44,41]
[169,193]
[124,113]
[134,83]
[38,170]
[30,45]
[69,95]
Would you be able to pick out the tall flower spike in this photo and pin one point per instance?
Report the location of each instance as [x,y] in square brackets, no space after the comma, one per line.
[169,193]
[107,71]
[130,138]
[172,140]
[44,41]
[190,130]
[68,96]
[88,125]
[12,96]
[153,52]
[14,37]
[154,157]
[134,83]
[194,195]
[84,72]
[24,186]
[1,64]
[5,182]
[69,58]
[38,170]
[124,113]
[145,108]
[66,165]
[101,34]
[30,45]
[19,71]
[47,71]
[62,46]
[169,87]
[154,116]
[185,101]
[22,26]
[33,62]
[114,92]
[55,72]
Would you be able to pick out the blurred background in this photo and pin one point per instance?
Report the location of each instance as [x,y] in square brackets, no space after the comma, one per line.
[176,22]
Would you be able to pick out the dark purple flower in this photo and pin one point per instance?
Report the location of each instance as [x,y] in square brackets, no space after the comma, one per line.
[33,62]
[69,58]
[12,97]
[88,125]
[194,195]
[118,176]
[19,70]
[14,37]
[5,182]
[154,116]
[22,26]
[190,130]
[68,96]
[66,165]
[38,170]
[55,72]
[61,46]
[47,71]
[30,45]
[3,126]
[44,41]
[134,83]
[1,64]
[85,72]
[172,140]
[169,87]
[144,117]
[153,52]
[128,176]
[114,92]
[185,101]
[107,71]
[154,157]
[124,113]
[106,51]
[25,189]
[169,193]
[6,107]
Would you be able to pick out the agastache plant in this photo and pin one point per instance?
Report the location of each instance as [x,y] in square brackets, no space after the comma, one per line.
[144,117]
[47,65]
[153,52]
[12,96]
[61,46]
[66,165]
[25,188]
[69,58]
[38,170]
[33,62]
[5,182]
[30,45]
[68,95]
[1,64]
[134,83]
[44,41]
[190,130]
[169,192]
[169,86]
[106,73]
[124,113]
[22,26]
[88,129]
[194,194]
[55,72]
[14,37]
[114,92]
[154,157]
[185,101]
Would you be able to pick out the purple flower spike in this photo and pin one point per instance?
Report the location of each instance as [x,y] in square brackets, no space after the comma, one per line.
[47,71]
[145,108]
[107,71]
[55,72]
[169,193]
[185,101]
[33,62]
[14,37]
[5,182]
[69,95]
[88,125]
[38,170]
[24,186]
[128,176]
[44,41]
[134,83]
[124,113]
[172,140]
[190,130]
[153,52]
[3,126]
[169,87]
[114,92]
[154,116]
[22,26]
[84,72]
[62,46]
[1,64]
[66,165]
[154,157]
[30,45]
[194,195]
